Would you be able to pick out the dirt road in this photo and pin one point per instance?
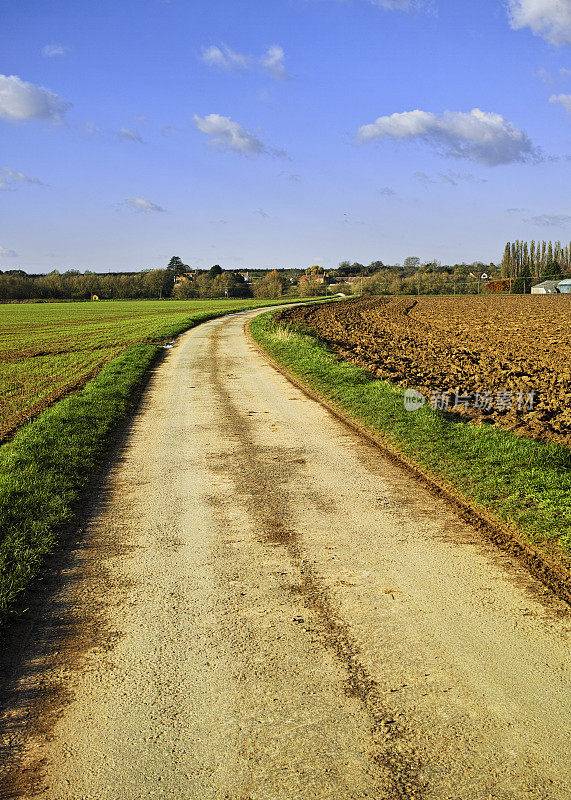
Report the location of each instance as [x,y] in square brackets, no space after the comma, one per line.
[262,608]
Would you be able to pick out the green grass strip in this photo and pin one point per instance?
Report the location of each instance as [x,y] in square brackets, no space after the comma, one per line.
[521,480]
[46,467]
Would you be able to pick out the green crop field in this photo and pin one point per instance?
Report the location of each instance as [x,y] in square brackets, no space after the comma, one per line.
[50,349]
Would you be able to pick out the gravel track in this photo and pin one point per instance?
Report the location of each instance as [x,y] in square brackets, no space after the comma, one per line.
[263,608]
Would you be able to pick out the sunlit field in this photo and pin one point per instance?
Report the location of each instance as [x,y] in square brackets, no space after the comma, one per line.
[50,349]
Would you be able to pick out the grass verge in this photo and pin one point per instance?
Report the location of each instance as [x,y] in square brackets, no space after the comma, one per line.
[524,482]
[46,466]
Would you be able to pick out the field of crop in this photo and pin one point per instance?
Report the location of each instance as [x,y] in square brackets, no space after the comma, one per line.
[504,360]
[48,350]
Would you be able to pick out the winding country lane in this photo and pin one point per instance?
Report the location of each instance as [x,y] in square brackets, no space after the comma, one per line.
[262,608]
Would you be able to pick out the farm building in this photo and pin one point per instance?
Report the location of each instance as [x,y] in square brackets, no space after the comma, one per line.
[564,286]
[546,287]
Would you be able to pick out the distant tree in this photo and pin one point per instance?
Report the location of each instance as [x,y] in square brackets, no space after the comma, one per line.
[214,271]
[176,267]
[185,290]
[272,285]
[506,261]
[552,270]
[411,263]
[343,269]
[533,258]
[157,283]
[311,288]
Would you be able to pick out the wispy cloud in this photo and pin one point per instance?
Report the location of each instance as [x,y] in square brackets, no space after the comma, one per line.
[386,191]
[20,100]
[140,204]
[550,220]
[274,63]
[516,210]
[170,129]
[226,134]
[10,177]
[562,100]
[225,58]
[449,178]
[402,5]
[407,6]
[128,135]
[547,77]
[51,50]
[292,177]
[5,252]
[477,136]
[454,178]
[423,178]
[92,128]
[550,19]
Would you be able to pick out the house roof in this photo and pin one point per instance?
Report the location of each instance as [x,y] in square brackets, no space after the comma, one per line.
[547,285]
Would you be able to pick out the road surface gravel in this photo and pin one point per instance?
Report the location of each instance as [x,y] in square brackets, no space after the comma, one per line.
[261,607]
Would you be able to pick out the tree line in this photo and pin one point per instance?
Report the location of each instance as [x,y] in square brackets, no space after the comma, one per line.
[176,281]
[535,259]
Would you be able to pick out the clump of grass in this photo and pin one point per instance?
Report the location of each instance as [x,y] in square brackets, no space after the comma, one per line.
[282,333]
[524,481]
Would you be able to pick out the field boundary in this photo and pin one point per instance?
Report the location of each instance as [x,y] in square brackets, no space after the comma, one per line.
[555,576]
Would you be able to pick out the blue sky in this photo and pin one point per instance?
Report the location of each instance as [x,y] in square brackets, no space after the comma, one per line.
[280,134]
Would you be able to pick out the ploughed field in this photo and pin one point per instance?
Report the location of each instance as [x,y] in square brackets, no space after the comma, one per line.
[503,360]
[48,350]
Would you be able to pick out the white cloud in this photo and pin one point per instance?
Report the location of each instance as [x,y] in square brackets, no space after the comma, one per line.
[273,62]
[478,135]
[550,19]
[386,191]
[130,136]
[226,134]
[550,220]
[225,58]
[51,50]
[563,100]
[546,76]
[20,100]
[9,177]
[262,213]
[5,252]
[139,204]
